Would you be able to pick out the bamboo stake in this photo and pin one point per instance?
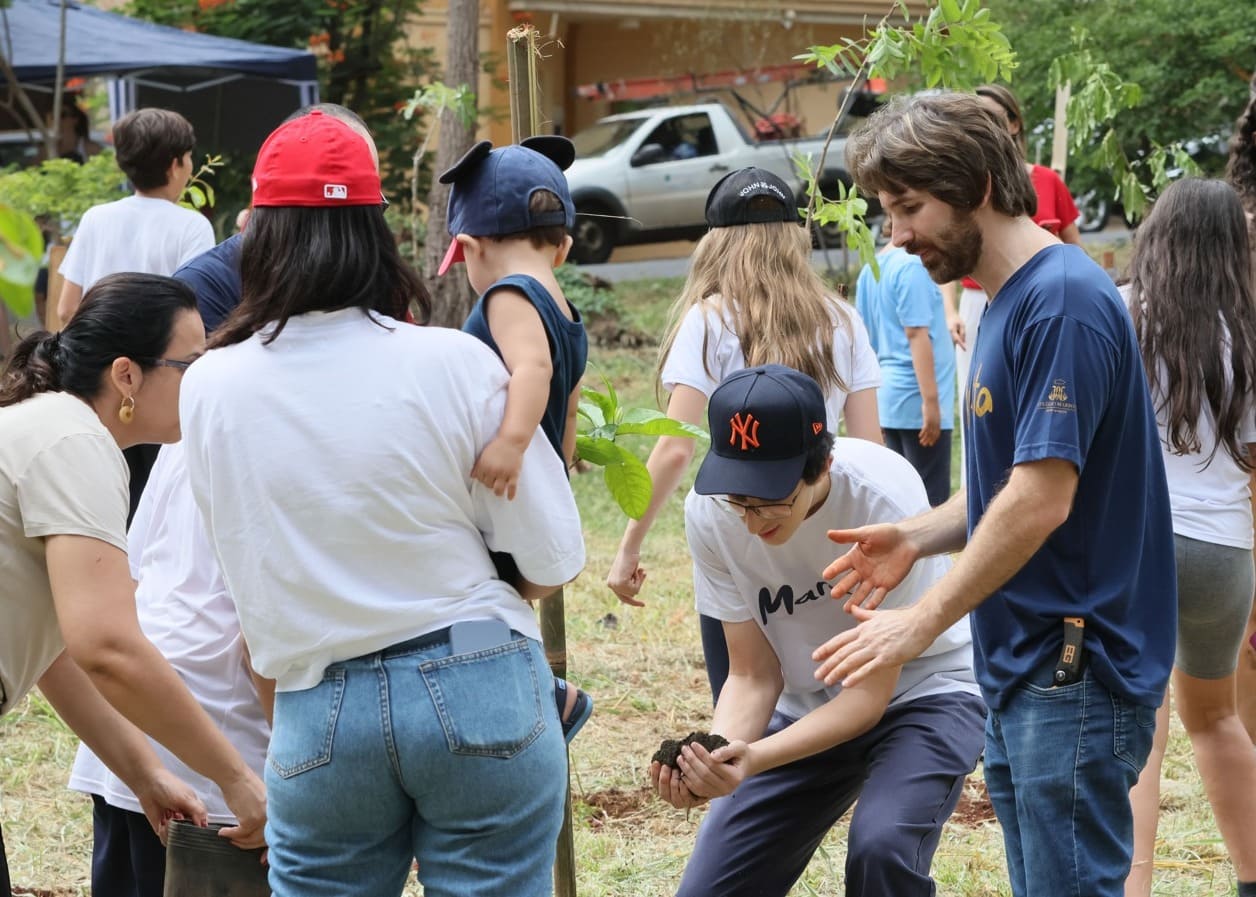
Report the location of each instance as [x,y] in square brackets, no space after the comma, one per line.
[525,121]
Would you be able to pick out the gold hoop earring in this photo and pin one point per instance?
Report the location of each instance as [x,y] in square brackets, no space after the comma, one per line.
[126,413]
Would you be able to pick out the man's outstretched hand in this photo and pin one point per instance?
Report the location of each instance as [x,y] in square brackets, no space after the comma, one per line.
[879,560]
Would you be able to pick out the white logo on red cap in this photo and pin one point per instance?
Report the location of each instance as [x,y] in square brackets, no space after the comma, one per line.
[335,191]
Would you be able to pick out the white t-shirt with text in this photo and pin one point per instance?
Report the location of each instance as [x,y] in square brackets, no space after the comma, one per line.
[738,578]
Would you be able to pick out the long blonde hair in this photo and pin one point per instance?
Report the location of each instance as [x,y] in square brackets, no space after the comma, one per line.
[780,309]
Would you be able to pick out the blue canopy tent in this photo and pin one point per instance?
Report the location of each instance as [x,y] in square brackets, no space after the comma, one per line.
[234,92]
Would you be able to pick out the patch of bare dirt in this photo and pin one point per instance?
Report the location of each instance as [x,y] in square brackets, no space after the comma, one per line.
[974,807]
[19,891]
[608,330]
[615,803]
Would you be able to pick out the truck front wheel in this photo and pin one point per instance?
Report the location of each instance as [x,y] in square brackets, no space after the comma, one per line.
[592,238]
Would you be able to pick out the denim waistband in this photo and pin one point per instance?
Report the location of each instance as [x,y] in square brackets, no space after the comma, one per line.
[418,643]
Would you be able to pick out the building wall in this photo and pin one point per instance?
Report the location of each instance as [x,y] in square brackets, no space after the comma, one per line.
[585,46]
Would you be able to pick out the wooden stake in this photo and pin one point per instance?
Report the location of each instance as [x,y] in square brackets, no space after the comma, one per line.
[525,121]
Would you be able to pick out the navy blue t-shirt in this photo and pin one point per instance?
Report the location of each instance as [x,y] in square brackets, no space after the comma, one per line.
[214,276]
[1056,373]
[568,345]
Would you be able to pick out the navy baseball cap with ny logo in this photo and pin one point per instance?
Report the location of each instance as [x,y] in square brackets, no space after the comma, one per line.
[764,421]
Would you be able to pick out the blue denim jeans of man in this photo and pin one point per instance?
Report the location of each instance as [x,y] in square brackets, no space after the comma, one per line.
[415,752]
[908,773]
[1059,766]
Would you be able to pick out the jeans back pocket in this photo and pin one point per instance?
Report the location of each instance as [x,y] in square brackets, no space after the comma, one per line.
[303,740]
[488,702]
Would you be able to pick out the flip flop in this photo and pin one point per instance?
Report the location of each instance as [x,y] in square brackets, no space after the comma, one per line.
[581,710]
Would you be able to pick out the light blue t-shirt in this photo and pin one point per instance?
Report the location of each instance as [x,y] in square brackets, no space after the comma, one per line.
[905,296]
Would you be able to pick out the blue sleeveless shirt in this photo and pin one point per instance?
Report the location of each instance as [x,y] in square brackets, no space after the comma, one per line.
[568,345]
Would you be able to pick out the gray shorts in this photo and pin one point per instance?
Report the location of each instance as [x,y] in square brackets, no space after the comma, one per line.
[1215,585]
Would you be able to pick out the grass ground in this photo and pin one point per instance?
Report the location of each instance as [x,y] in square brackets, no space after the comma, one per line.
[644,667]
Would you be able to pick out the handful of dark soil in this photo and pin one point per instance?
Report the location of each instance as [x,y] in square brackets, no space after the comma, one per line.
[669,750]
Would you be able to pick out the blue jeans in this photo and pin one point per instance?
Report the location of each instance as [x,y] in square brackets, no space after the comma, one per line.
[1059,765]
[412,752]
[907,773]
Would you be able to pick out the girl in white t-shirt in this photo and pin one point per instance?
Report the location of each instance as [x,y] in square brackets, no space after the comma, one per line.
[1191,300]
[752,297]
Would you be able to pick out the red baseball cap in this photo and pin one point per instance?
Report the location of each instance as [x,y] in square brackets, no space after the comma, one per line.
[453,255]
[315,161]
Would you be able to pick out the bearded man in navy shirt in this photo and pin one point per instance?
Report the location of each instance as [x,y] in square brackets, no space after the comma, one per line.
[1067,565]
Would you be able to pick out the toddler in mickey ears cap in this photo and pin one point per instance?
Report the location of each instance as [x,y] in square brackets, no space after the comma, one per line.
[510,213]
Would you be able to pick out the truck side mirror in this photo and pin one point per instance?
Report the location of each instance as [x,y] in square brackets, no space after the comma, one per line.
[648,154]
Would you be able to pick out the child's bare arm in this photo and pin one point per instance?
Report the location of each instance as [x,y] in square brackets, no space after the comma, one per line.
[520,336]
[569,429]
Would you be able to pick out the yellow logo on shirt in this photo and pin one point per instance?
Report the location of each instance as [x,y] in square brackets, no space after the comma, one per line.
[980,402]
[1057,401]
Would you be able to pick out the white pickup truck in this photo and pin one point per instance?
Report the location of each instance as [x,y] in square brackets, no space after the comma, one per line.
[643,177]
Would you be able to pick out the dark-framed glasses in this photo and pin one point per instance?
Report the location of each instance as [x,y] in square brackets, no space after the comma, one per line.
[774,511]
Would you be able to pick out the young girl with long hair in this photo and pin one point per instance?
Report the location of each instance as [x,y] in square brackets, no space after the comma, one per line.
[752,297]
[1191,300]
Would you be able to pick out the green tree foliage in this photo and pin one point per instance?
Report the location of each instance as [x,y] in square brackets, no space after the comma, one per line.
[957,45]
[1191,60]
[365,62]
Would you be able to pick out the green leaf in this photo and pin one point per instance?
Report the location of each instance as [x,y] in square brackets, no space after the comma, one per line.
[663,426]
[592,413]
[598,450]
[630,486]
[21,249]
[603,402]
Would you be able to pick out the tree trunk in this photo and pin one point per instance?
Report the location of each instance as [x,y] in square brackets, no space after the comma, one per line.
[452,296]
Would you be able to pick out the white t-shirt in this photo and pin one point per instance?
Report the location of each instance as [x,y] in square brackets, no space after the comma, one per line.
[185,610]
[687,365]
[1210,500]
[333,468]
[61,473]
[737,577]
[138,233]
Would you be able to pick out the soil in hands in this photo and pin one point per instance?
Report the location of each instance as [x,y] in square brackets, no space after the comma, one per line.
[669,750]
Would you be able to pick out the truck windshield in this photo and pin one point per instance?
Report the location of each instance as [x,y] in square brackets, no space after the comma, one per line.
[601,138]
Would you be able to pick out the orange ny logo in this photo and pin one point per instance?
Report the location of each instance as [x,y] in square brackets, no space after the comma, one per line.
[747,428]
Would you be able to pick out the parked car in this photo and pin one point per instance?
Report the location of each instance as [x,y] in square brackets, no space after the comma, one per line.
[643,177]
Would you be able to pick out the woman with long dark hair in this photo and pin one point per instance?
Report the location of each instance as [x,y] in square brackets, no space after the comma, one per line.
[69,403]
[1191,299]
[329,447]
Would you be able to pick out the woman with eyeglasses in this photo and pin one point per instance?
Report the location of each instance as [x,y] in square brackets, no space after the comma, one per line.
[752,297]
[69,403]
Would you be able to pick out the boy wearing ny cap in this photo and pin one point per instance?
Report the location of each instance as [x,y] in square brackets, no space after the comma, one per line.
[773,484]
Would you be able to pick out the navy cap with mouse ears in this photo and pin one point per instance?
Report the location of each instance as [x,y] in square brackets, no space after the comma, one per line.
[492,189]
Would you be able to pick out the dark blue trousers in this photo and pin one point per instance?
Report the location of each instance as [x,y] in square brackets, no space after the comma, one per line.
[907,772]
[933,463]
[715,653]
[128,859]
